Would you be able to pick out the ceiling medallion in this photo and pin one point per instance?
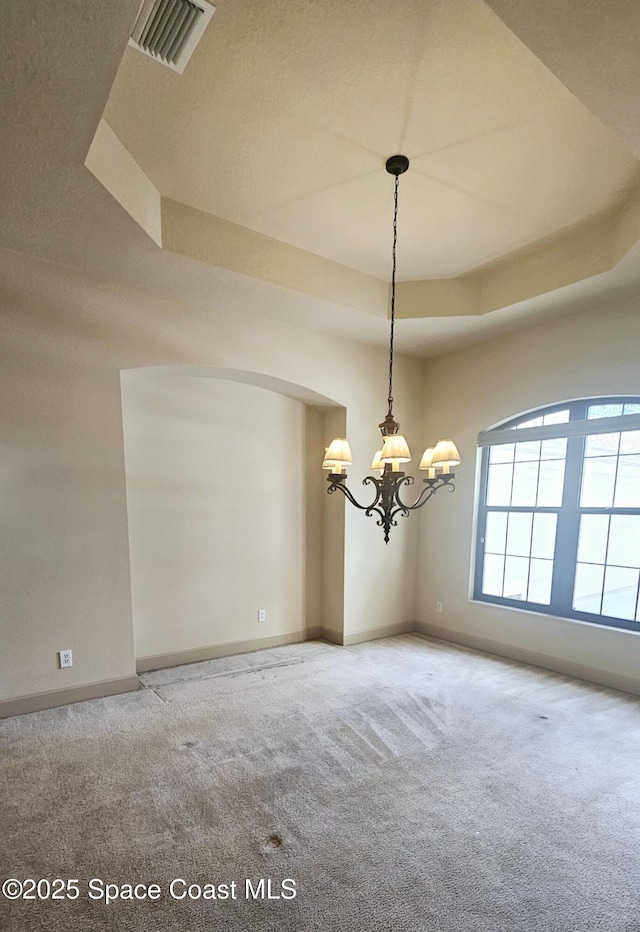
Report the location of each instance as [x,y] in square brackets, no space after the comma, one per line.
[436,461]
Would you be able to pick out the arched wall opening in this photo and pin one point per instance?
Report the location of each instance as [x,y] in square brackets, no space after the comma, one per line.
[227,513]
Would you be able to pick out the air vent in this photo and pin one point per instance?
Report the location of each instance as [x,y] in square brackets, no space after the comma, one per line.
[169,30]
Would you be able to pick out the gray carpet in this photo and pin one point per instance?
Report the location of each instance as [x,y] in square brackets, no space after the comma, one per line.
[402,784]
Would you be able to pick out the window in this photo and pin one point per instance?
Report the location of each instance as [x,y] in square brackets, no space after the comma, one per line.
[559,517]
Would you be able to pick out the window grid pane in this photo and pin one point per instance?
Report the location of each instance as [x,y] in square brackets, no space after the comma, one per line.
[516,577]
[524,490]
[503,453]
[620,592]
[556,417]
[587,591]
[519,533]
[526,506]
[499,484]
[543,540]
[592,541]
[493,575]
[540,574]
[627,493]
[598,482]
[519,546]
[529,450]
[604,410]
[602,445]
[523,477]
[554,449]
[630,441]
[624,540]
[496,532]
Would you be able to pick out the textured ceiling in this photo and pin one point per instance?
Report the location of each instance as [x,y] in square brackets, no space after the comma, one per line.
[59,61]
[283,119]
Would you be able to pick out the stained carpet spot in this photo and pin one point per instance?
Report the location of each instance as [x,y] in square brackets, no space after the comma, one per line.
[190,744]
[273,841]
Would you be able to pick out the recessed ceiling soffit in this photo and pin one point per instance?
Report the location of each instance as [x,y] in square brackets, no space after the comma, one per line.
[266,157]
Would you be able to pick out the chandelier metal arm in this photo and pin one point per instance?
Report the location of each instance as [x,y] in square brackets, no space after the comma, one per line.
[431,486]
[339,482]
[387,502]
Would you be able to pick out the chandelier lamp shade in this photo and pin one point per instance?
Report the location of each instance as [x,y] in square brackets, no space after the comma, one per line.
[437,462]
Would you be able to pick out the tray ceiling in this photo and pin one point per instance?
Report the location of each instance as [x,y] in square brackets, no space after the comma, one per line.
[287,111]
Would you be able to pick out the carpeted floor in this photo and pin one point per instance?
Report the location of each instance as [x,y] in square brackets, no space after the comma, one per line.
[404,785]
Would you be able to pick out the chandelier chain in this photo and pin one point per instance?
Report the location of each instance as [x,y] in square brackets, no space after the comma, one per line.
[388,504]
[393,291]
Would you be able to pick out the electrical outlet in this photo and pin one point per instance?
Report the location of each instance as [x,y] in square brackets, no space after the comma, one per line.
[262,614]
[66,660]
[438,606]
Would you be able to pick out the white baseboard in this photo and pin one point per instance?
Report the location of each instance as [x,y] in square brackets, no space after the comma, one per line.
[212,651]
[38,702]
[335,637]
[536,658]
[374,634]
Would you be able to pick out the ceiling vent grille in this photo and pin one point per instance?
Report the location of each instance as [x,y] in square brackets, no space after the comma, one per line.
[169,30]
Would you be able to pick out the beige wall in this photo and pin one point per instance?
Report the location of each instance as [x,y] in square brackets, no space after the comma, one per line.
[64,567]
[216,497]
[333,527]
[592,354]
[64,339]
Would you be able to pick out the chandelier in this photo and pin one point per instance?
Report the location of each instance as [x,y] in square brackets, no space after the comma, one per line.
[436,461]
